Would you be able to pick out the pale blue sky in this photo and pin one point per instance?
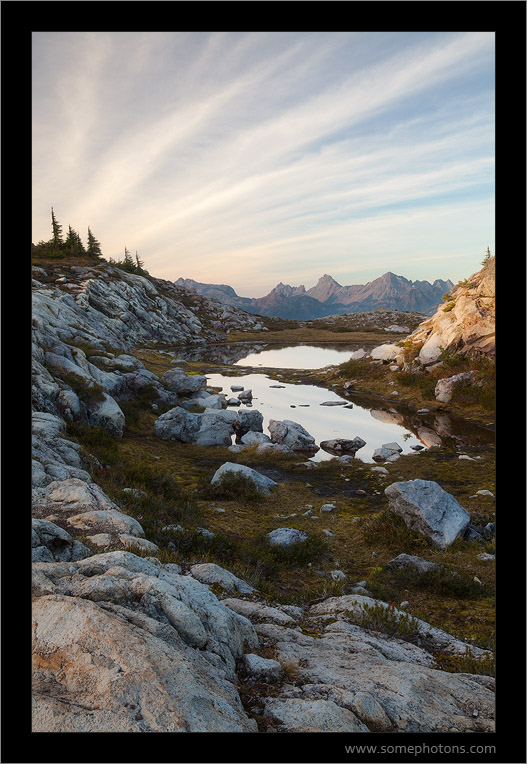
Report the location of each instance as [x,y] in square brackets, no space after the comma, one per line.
[254,158]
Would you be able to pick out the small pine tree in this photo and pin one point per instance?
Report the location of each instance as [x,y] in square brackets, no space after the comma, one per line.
[487,256]
[94,247]
[139,263]
[57,230]
[128,262]
[73,244]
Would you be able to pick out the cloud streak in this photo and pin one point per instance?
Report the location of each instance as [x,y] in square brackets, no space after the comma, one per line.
[257,158]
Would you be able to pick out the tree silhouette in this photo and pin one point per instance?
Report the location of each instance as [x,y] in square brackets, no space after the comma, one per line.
[94,247]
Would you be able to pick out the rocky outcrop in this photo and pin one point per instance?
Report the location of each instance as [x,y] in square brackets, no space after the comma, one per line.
[122,644]
[465,323]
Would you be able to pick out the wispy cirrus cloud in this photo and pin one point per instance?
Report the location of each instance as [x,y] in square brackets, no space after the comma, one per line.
[263,157]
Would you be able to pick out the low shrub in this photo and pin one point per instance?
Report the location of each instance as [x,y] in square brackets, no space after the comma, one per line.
[233,486]
[394,583]
[87,392]
[384,618]
[466,664]
[386,530]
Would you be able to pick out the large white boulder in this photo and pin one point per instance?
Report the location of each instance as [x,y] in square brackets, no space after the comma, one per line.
[385,352]
[426,508]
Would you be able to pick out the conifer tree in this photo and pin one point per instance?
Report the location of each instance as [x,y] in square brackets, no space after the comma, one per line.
[57,230]
[74,243]
[128,262]
[139,263]
[94,247]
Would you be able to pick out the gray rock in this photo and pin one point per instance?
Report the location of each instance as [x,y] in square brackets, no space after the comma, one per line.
[216,428]
[428,509]
[286,537]
[209,573]
[392,447]
[263,483]
[251,437]
[384,454]
[444,388]
[342,445]
[262,668]
[182,383]
[245,395]
[299,715]
[177,424]
[292,435]
[58,543]
[248,421]
[406,560]
[108,415]
[257,612]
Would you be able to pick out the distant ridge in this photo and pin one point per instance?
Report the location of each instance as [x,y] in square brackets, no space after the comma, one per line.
[328,297]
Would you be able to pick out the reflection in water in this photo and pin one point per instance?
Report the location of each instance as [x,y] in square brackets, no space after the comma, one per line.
[300,356]
[301,403]
[275,357]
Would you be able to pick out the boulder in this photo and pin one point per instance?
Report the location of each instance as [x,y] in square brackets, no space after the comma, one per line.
[358,354]
[342,445]
[262,668]
[257,612]
[58,544]
[248,421]
[108,415]
[384,454]
[426,508]
[216,428]
[292,435]
[392,446]
[385,352]
[209,573]
[263,483]
[251,437]
[286,537]
[177,424]
[245,395]
[444,388]
[182,383]
[408,560]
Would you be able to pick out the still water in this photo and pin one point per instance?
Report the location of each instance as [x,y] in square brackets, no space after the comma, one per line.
[302,404]
[299,357]
[380,423]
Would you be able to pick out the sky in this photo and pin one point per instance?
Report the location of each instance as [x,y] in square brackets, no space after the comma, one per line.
[256,158]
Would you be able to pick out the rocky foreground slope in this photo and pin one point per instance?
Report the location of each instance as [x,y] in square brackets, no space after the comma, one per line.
[124,642]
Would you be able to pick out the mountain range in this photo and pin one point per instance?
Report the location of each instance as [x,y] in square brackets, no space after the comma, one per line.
[328,297]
